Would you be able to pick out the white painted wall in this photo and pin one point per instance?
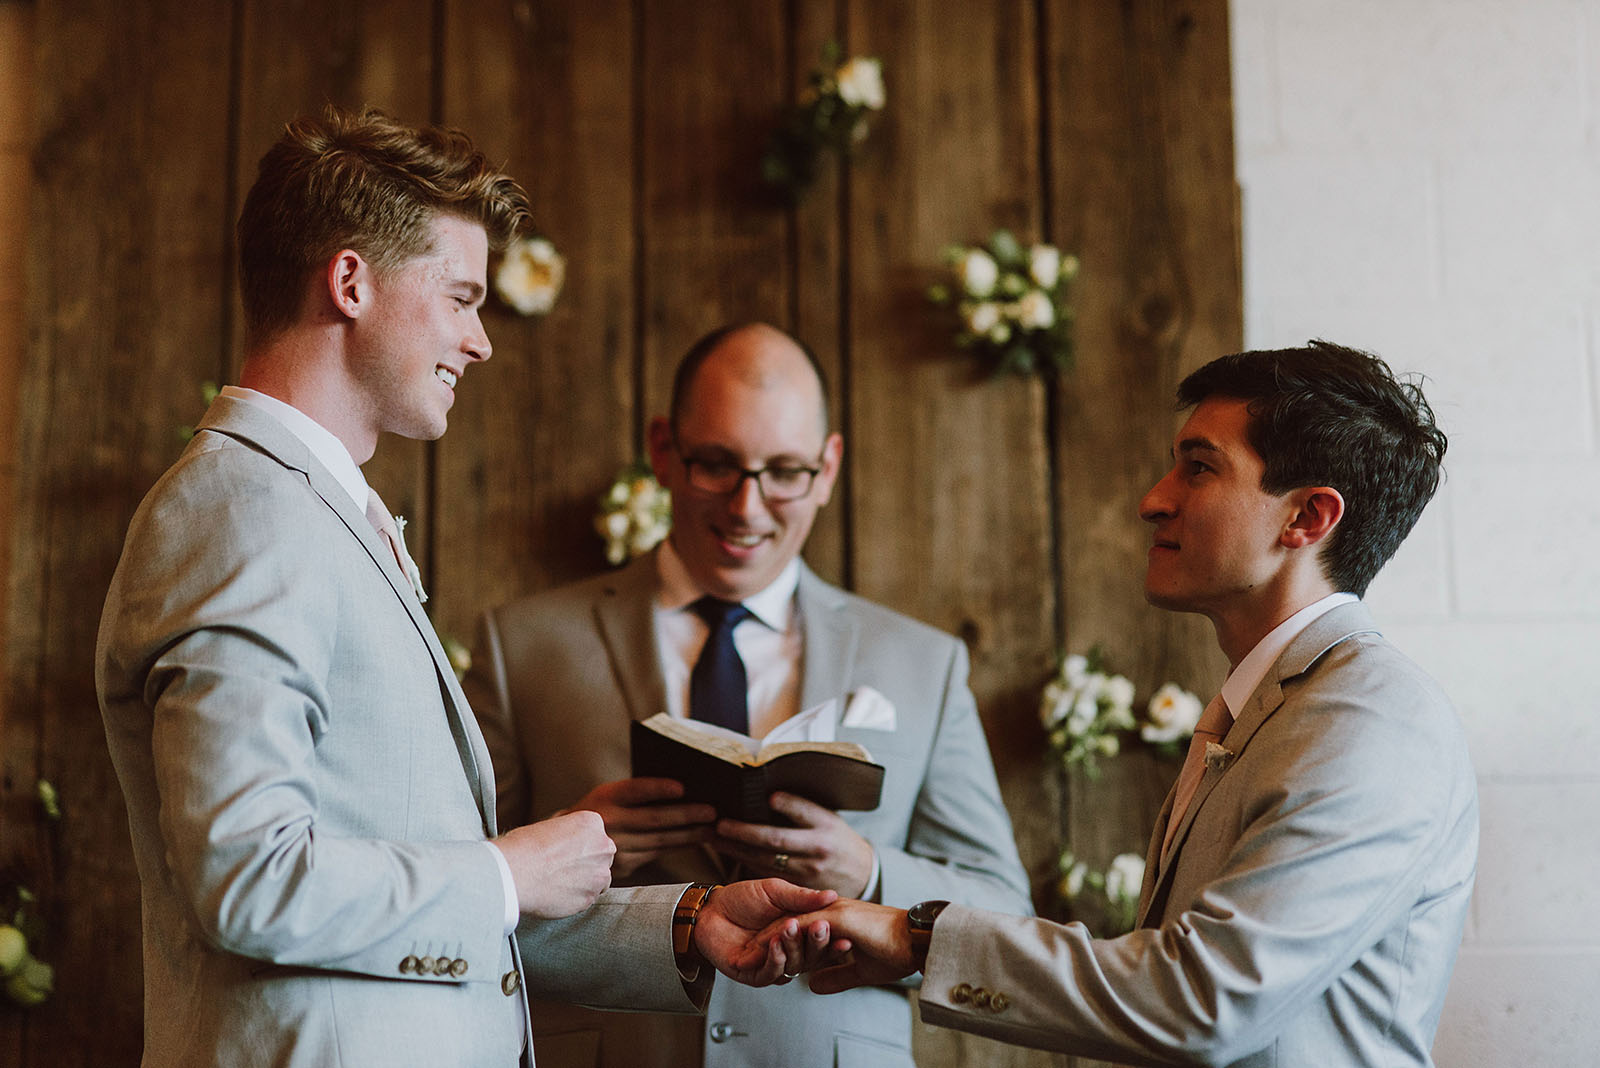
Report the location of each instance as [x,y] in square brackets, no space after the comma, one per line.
[1421,178]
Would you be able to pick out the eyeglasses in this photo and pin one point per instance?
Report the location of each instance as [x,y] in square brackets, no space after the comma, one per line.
[778,483]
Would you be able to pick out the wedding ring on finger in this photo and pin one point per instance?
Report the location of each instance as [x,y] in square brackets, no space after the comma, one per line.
[780,861]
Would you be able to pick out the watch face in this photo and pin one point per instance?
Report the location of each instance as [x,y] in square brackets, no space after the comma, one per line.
[923,913]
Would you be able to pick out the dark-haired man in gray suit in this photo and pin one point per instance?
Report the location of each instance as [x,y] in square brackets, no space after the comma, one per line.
[1308,879]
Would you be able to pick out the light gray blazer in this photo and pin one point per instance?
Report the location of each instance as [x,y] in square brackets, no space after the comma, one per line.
[307,791]
[556,679]
[1309,912]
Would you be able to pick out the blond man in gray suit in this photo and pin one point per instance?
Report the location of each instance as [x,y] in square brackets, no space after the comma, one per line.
[310,800]
[1308,879]
[749,457]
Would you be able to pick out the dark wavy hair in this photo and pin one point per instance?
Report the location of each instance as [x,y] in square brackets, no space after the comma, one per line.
[363,181]
[1327,415]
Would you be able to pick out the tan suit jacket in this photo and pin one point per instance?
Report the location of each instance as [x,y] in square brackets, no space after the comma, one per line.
[1309,911]
[558,677]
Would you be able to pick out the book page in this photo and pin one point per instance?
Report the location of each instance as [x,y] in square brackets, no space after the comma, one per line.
[721,742]
[850,750]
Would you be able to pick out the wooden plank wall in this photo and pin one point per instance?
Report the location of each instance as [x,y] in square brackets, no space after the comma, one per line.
[1002,511]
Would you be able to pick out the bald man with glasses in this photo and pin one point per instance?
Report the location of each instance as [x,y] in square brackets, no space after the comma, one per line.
[724,623]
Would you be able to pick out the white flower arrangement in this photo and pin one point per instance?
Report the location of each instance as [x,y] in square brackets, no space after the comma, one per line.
[530,275]
[635,514]
[1114,893]
[1083,708]
[1011,304]
[1086,711]
[831,113]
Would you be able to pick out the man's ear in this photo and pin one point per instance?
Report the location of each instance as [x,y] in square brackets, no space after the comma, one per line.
[349,281]
[1318,510]
[659,442]
[832,457]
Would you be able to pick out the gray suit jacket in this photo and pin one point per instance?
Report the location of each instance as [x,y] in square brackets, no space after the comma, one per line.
[307,791]
[1309,912]
[562,674]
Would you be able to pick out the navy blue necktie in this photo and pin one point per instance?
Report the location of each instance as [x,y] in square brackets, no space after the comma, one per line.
[718,688]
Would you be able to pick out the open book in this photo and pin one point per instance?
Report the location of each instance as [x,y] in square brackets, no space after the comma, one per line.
[736,774]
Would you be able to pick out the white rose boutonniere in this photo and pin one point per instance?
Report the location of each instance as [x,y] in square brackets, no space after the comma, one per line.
[1217,757]
[531,275]
[413,572]
[635,514]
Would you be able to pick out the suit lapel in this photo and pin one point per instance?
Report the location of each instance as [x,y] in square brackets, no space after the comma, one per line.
[1302,654]
[244,423]
[624,612]
[829,638]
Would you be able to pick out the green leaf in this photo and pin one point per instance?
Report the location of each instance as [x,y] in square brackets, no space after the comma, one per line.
[1003,244]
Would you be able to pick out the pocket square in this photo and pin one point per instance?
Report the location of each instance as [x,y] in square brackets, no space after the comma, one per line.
[869,710]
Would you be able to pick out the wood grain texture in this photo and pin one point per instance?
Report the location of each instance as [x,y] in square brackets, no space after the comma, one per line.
[1141,164]
[126,291]
[1002,511]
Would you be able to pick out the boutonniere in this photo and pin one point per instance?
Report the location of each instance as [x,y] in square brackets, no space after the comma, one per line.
[413,573]
[1218,757]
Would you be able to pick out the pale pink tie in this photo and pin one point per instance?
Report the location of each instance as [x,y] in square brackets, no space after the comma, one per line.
[1212,727]
[383,522]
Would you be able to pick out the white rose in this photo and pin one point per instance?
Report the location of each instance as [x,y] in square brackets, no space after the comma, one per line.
[1124,877]
[979,273]
[1120,690]
[1044,263]
[1172,713]
[1035,311]
[614,525]
[1072,881]
[530,276]
[1082,715]
[983,317]
[1054,704]
[1075,668]
[861,83]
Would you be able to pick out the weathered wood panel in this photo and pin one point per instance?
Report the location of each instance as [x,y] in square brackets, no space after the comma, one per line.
[950,481]
[126,283]
[541,428]
[1141,166]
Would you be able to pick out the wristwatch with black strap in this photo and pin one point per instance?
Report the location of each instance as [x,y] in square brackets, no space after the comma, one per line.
[919,921]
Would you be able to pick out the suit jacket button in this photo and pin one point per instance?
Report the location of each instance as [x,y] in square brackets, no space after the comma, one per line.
[961,993]
[998,1002]
[980,998]
[442,966]
[458,967]
[410,964]
[509,982]
[425,966]
[721,1032]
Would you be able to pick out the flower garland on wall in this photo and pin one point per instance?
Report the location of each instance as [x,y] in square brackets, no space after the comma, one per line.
[1010,305]
[1089,716]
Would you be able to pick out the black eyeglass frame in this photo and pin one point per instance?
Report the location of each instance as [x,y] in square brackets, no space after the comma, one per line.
[759,474]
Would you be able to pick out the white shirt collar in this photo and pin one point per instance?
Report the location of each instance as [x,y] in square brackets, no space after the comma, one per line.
[322,442]
[1244,679]
[773,606]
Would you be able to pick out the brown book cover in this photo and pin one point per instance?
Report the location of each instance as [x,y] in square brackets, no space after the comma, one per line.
[718,768]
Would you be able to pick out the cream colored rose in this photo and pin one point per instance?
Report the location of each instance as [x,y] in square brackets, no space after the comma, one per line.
[983,317]
[861,83]
[1172,714]
[979,273]
[530,276]
[1044,264]
[1124,877]
[1035,311]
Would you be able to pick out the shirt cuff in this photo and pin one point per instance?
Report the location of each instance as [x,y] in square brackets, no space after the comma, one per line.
[511,914]
[870,893]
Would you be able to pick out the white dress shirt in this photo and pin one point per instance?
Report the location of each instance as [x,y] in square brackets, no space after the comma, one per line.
[1243,680]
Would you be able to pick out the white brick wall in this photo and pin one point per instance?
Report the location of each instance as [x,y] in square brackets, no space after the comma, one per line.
[1422,178]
